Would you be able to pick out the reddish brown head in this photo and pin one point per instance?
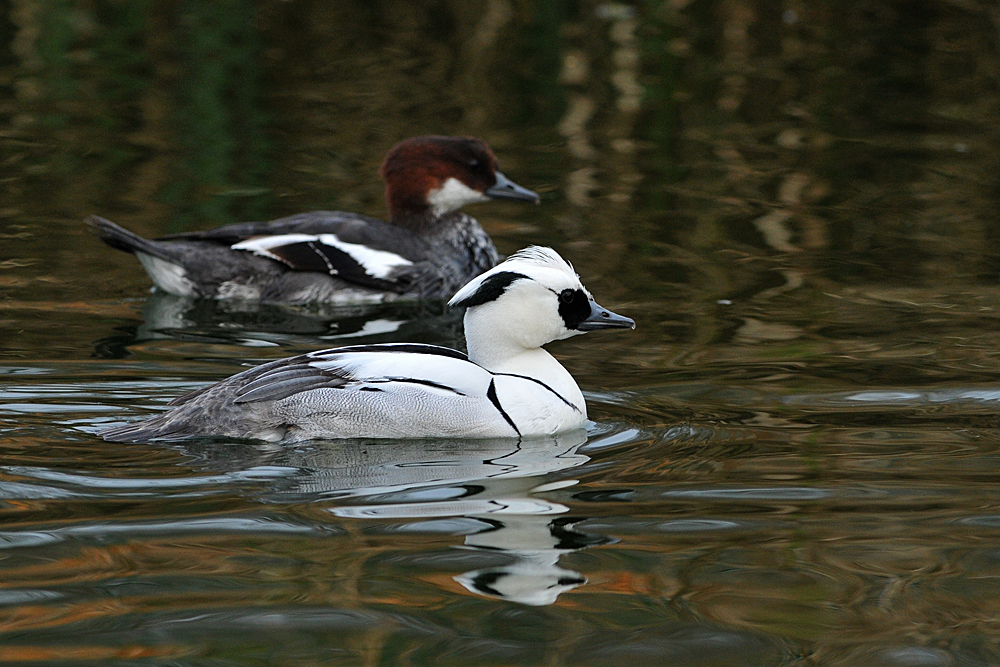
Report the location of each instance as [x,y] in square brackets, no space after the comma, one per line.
[426,177]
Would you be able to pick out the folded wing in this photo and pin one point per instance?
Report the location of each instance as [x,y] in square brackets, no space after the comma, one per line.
[366,368]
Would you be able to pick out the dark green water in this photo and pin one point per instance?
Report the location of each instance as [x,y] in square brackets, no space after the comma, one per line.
[792,461]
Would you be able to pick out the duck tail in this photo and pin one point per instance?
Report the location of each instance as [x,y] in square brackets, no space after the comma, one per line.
[120,238]
[144,431]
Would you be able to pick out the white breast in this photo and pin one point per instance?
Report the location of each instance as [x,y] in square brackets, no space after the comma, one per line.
[536,409]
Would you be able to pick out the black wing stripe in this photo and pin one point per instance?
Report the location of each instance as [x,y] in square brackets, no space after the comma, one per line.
[413,348]
[322,258]
[284,382]
[425,383]
[491,394]
[302,256]
[539,382]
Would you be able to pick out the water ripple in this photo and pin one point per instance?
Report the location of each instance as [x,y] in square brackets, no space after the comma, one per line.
[102,531]
[776,493]
[148,485]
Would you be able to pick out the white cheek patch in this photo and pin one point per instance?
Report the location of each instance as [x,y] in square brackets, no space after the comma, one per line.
[453,195]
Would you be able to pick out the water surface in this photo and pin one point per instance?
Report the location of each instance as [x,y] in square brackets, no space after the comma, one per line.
[792,460]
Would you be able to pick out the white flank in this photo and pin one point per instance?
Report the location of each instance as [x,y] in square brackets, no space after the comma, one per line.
[453,195]
[261,245]
[460,375]
[167,276]
[377,263]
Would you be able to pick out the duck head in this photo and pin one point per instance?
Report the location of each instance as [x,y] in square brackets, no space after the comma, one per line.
[532,298]
[431,176]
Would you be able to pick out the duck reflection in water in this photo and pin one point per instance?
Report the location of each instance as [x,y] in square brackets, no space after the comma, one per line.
[254,324]
[489,489]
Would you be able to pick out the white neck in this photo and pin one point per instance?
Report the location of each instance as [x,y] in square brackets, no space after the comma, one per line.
[501,354]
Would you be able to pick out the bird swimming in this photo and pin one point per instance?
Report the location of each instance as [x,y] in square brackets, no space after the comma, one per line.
[426,250]
[506,386]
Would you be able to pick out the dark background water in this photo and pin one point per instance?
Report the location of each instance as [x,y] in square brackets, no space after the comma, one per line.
[793,459]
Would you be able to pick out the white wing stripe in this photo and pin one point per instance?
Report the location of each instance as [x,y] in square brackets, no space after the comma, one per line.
[377,263]
[262,245]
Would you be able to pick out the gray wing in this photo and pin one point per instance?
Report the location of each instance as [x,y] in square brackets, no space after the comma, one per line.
[275,381]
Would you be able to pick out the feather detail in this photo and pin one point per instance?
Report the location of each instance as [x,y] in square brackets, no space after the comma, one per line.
[426,365]
[326,253]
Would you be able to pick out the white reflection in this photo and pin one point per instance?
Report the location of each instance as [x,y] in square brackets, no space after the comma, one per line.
[496,482]
[535,578]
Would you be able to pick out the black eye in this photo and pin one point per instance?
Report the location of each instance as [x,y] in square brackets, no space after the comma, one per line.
[473,162]
[567,295]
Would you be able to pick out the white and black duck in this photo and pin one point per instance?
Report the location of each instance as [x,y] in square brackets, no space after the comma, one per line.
[507,386]
[426,250]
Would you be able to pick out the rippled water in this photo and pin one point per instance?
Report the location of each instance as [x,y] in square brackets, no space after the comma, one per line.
[792,461]
[718,513]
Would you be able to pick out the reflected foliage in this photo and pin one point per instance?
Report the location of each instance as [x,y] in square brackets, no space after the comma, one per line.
[219,119]
[795,200]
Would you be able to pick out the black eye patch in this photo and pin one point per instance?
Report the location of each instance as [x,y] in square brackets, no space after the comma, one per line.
[490,289]
[574,307]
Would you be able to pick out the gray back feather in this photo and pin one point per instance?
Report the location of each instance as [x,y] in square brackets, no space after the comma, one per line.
[275,381]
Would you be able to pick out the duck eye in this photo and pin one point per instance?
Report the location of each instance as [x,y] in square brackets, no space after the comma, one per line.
[567,295]
[473,162]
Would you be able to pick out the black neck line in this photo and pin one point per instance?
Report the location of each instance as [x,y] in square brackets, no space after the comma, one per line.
[539,382]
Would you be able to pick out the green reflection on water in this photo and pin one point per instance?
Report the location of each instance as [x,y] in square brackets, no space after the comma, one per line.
[868,129]
[218,120]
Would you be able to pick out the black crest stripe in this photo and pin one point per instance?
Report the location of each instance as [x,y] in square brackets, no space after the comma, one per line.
[490,289]
[491,394]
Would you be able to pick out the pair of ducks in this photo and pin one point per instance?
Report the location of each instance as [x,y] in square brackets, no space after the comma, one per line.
[507,385]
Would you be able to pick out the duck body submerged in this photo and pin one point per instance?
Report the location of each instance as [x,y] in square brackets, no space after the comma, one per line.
[392,262]
[507,387]
[376,391]
[427,249]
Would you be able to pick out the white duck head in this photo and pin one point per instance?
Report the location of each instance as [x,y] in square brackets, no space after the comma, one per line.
[532,298]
